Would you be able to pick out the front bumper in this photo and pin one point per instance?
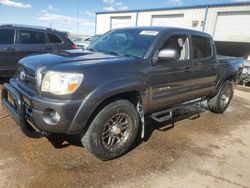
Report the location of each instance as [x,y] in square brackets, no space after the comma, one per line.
[35,114]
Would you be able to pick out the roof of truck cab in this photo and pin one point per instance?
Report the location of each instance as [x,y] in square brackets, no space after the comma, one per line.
[167,29]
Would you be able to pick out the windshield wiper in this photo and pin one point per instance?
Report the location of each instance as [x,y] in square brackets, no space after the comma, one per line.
[110,52]
[91,49]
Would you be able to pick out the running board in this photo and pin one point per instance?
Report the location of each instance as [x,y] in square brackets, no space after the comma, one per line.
[167,114]
[162,116]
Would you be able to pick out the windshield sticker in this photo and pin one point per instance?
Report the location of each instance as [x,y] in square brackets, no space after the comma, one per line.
[151,33]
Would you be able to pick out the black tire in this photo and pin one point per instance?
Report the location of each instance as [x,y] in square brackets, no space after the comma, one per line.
[103,126]
[220,102]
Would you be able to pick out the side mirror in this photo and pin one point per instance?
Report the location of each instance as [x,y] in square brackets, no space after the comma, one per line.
[168,54]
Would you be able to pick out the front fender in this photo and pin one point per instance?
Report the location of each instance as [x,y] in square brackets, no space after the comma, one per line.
[100,94]
[117,87]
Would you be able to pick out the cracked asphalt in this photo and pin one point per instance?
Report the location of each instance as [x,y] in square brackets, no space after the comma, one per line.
[200,149]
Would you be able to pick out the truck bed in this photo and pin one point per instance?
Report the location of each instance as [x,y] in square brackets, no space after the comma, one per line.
[230,60]
[226,58]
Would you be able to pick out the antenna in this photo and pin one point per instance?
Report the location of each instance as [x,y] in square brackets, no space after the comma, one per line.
[77,21]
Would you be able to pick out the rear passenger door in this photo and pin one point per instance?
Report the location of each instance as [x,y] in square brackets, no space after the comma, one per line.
[8,50]
[31,42]
[204,65]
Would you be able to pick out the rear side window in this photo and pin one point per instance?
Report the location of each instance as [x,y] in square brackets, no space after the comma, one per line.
[32,37]
[202,47]
[54,39]
[7,36]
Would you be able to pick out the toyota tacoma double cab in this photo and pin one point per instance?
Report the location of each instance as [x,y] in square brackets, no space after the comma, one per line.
[105,92]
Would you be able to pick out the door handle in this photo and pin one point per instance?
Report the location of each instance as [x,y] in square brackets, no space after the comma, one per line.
[187,69]
[9,49]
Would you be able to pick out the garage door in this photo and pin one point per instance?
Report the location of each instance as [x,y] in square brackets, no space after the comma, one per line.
[121,21]
[233,27]
[176,20]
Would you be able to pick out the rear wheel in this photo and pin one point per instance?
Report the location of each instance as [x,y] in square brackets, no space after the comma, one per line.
[221,101]
[112,131]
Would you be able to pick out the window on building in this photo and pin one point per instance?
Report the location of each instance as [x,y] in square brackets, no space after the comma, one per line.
[202,47]
[54,39]
[7,36]
[32,37]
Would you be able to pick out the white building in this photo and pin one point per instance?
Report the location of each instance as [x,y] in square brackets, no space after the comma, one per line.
[228,23]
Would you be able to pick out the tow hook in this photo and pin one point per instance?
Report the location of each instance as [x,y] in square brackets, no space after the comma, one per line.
[44,133]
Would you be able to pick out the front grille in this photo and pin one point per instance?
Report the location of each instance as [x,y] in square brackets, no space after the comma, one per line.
[27,77]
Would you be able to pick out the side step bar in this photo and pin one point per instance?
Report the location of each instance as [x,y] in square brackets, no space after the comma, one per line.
[162,116]
[167,114]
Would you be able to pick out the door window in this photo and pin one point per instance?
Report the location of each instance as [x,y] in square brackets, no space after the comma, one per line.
[32,37]
[7,36]
[179,43]
[54,39]
[202,47]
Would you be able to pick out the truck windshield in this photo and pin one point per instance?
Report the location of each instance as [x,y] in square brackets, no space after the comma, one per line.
[129,42]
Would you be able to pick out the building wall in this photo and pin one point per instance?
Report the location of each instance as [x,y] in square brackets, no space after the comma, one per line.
[103,20]
[190,15]
[213,14]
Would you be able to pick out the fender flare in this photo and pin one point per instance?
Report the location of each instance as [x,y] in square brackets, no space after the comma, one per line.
[221,80]
[99,95]
[117,87]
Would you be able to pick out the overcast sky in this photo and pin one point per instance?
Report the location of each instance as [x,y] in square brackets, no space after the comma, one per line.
[62,14]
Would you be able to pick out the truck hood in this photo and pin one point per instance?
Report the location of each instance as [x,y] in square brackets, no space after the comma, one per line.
[80,57]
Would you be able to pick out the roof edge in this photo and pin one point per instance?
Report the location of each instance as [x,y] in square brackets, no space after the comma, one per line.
[27,26]
[176,8]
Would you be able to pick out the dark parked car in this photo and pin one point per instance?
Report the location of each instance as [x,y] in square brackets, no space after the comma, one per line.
[18,41]
[103,93]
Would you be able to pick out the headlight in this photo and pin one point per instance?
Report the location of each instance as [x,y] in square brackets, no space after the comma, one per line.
[60,83]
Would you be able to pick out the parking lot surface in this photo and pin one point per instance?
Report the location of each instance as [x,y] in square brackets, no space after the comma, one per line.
[201,149]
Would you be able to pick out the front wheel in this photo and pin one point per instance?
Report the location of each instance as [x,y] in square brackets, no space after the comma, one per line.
[112,131]
[221,101]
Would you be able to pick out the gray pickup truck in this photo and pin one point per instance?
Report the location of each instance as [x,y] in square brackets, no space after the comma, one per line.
[104,93]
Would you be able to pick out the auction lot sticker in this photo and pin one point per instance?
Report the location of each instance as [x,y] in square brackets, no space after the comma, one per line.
[151,33]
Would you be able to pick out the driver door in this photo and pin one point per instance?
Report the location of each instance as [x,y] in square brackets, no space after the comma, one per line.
[170,79]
